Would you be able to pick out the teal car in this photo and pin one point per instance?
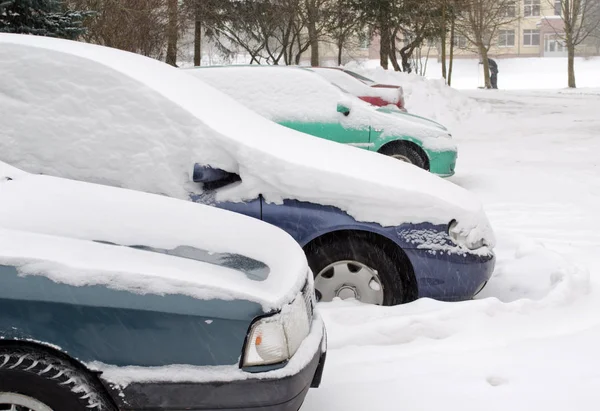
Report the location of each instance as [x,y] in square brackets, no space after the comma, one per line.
[302,100]
[112,299]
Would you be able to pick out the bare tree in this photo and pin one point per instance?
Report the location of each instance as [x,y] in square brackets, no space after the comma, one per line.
[270,31]
[448,12]
[417,21]
[479,23]
[580,20]
[380,16]
[342,25]
[138,26]
[172,33]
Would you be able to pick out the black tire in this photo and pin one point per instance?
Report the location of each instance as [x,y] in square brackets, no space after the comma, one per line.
[50,380]
[395,278]
[407,152]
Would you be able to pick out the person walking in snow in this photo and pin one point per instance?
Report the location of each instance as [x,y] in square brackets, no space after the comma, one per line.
[493,73]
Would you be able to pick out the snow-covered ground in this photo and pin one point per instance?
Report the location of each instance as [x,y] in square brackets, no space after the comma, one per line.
[514,73]
[530,340]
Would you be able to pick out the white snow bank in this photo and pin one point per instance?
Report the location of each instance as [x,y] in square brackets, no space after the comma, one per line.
[122,119]
[529,279]
[51,226]
[121,377]
[428,98]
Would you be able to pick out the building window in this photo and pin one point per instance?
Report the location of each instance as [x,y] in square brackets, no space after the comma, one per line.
[553,43]
[532,8]
[510,10]
[460,42]
[531,37]
[364,40]
[558,7]
[506,38]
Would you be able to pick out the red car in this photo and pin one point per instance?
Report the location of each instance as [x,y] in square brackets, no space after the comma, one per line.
[379,95]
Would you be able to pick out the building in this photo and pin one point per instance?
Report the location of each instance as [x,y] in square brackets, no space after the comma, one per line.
[536,31]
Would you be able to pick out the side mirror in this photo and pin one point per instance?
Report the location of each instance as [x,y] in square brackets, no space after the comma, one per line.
[343,108]
[207,174]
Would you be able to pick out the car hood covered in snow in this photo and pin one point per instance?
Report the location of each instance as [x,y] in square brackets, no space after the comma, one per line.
[123,119]
[87,234]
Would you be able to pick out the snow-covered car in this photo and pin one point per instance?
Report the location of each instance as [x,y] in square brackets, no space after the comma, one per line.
[116,299]
[304,101]
[373,228]
[380,95]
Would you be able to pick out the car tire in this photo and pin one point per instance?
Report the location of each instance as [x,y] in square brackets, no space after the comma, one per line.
[325,256]
[36,380]
[407,152]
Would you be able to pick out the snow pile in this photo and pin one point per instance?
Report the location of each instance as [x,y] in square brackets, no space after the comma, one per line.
[530,339]
[126,120]
[428,98]
[87,234]
[531,282]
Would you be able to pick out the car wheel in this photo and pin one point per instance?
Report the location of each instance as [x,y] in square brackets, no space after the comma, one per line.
[34,380]
[408,153]
[355,267]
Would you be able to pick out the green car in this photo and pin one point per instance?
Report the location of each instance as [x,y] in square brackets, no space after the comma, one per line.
[304,101]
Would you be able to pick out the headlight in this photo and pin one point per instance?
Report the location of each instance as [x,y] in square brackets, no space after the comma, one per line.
[276,338]
[462,238]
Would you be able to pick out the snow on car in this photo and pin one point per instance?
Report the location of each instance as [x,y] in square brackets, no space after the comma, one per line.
[304,101]
[113,289]
[380,95]
[373,228]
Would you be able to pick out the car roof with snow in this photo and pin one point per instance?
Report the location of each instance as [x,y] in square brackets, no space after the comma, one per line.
[353,85]
[87,234]
[102,115]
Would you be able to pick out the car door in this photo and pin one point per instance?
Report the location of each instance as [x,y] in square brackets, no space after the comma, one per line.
[333,131]
[313,109]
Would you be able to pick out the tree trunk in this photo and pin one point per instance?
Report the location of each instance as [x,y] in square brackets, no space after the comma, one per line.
[340,48]
[443,43]
[393,54]
[172,33]
[486,66]
[571,63]
[313,35]
[314,47]
[198,36]
[451,62]
[384,47]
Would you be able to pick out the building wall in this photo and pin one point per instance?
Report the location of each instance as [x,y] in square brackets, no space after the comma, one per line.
[534,33]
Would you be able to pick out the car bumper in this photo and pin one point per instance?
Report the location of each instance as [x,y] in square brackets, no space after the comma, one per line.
[451,277]
[442,163]
[279,390]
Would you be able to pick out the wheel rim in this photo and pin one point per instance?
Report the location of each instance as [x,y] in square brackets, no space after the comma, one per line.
[402,158]
[349,279]
[10,401]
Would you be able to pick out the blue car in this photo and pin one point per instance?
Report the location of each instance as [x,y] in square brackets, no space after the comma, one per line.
[372,228]
[367,261]
[113,299]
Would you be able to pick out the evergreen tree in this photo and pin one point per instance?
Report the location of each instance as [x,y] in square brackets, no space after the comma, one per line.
[41,17]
